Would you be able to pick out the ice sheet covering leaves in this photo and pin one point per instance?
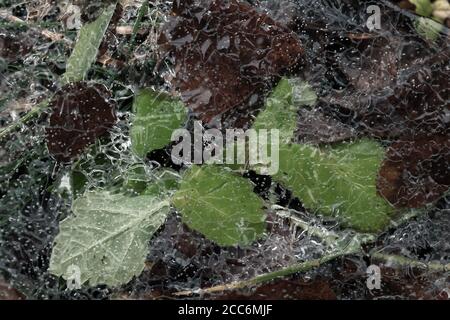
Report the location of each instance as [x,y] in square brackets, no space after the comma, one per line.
[220,205]
[338,181]
[86,48]
[107,237]
[157,116]
[399,89]
[224,52]
[416,171]
[80,113]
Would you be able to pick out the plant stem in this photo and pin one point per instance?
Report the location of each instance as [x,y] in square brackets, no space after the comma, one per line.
[34,112]
[328,237]
[407,262]
[143,10]
[353,247]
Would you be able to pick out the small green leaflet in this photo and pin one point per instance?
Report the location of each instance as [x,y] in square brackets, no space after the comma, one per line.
[86,48]
[423,7]
[143,10]
[220,205]
[157,116]
[338,181]
[428,28]
[281,108]
[107,237]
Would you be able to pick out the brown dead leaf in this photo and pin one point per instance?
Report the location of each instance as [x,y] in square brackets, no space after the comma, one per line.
[15,46]
[225,51]
[81,114]
[9,293]
[416,172]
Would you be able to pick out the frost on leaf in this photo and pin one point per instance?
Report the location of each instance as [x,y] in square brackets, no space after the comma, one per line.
[157,116]
[416,171]
[107,237]
[80,114]
[339,181]
[225,51]
[220,205]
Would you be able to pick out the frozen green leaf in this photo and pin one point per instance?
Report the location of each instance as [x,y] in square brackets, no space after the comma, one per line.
[428,28]
[423,7]
[86,48]
[338,181]
[221,205]
[281,108]
[106,238]
[157,116]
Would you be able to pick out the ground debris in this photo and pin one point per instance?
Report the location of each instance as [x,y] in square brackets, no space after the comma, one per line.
[224,54]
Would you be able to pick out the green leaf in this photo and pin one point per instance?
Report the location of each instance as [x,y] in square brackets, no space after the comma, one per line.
[86,48]
[157,116]
[221,205]
[281,113]
[428,28]
[168,181]
[423,7]
[338,181]
[281,108]
[143,10]
[107,237]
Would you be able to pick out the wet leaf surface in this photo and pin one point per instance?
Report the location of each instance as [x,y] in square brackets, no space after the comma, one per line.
[80,114]
[224,54]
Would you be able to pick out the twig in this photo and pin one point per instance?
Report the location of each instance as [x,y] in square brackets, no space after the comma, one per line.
[328,237]
[408,262]
[45,32]
[301,267]
[354,246]
[128,30]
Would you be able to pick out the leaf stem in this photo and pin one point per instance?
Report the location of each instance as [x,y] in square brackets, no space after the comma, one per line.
[354,246]
[34,112]
[408,262]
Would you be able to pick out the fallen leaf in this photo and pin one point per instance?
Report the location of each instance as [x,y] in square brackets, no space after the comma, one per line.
[80,114]
[225,51]
[9,293]
[416,171]
[15,46]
